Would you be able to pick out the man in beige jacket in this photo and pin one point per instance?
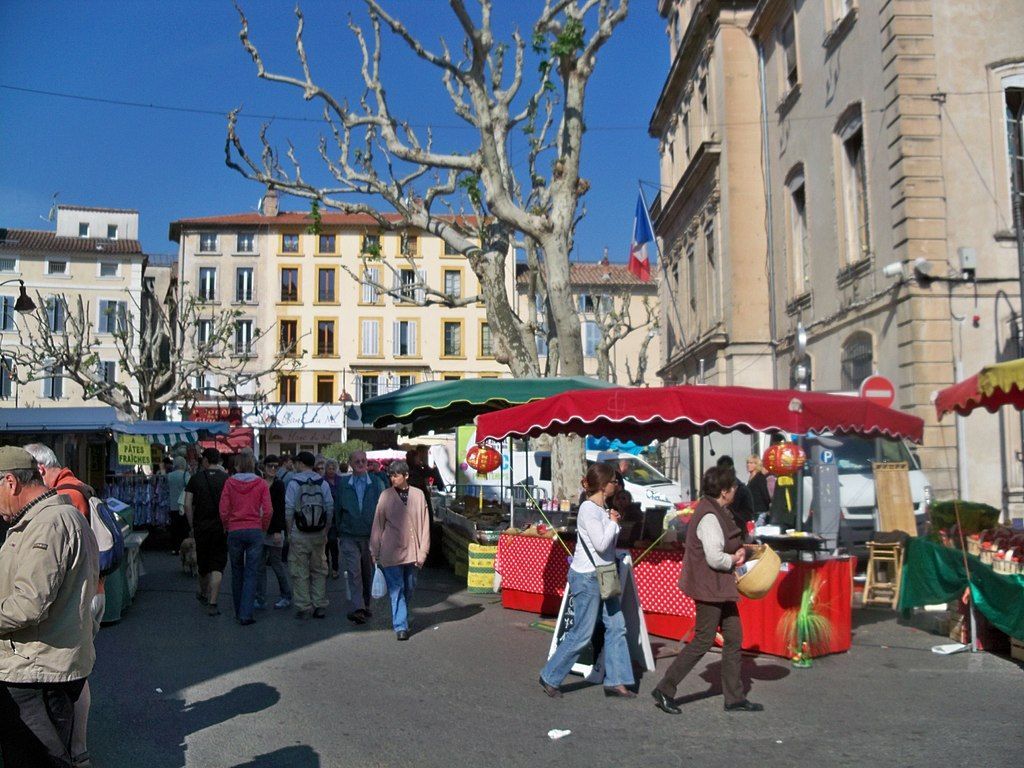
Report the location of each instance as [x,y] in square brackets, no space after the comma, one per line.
[49,569]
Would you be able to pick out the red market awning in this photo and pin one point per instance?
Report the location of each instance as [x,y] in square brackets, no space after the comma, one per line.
[992,388]
[657,413]
[234,441]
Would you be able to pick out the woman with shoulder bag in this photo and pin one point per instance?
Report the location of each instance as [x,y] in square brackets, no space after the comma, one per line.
[593,584]
[714,549]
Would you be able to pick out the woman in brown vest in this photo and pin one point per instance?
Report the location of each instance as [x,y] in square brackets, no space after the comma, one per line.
[714,548]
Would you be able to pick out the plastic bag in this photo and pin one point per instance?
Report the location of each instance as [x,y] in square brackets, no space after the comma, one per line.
[380,586]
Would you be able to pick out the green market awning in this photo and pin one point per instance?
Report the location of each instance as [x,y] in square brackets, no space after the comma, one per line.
[101,419]
[441,405]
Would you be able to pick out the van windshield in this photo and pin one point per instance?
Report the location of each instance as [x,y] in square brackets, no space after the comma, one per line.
[639,473]
[855,454]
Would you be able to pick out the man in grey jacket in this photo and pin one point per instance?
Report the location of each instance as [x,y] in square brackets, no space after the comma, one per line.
[49,569]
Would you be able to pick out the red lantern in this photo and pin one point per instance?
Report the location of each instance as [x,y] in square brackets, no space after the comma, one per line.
[483,459]
[784,459]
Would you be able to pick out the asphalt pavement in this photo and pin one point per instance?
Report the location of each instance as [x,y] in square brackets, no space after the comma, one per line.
[173,687]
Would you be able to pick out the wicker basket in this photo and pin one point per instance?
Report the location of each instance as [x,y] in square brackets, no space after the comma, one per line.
[758,581]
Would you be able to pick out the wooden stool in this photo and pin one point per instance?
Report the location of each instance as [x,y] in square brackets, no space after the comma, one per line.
[879,591]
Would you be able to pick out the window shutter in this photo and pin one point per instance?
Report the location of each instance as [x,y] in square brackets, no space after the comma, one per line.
[421,280]
[396,347]
[413,349]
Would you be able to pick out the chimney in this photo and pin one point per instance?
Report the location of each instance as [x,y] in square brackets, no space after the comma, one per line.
[269,207]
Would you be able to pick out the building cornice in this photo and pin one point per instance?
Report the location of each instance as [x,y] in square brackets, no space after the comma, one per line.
[690,46]
[703,162]
[765,15]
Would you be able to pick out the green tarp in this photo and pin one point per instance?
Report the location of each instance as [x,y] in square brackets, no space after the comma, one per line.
[935,574]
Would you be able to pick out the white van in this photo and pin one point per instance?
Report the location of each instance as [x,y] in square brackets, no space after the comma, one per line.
[650,488]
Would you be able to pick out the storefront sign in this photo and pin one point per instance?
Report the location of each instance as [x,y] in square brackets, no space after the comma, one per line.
[231,414]
[133,449]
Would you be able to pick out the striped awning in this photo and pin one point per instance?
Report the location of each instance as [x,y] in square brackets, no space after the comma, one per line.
[169,433]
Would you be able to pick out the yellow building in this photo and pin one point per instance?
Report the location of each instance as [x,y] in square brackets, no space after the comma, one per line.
[94,255]
[357,327]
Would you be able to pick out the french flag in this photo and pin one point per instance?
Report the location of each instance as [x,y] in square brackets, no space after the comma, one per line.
[643,235]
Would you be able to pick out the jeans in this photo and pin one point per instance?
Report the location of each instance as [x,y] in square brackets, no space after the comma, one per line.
[272,556]
[355,559]
[307,565]
[401,581]
[586,596]
[36,721]
[245,548]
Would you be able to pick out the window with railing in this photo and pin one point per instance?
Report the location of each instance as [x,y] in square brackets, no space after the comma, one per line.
[289,285]
[113,316]
[207,283]
[208,242]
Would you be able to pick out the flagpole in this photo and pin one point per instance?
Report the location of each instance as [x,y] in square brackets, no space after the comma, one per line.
[661,264]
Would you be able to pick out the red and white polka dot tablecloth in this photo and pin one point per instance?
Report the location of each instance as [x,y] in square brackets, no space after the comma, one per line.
[657,582]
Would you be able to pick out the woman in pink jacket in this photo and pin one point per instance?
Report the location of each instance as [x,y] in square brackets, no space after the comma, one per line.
[399,541]
[245,511]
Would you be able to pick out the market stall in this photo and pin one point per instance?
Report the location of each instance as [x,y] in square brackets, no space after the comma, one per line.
[813,582]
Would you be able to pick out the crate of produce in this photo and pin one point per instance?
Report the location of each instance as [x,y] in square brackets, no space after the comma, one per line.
[480,576]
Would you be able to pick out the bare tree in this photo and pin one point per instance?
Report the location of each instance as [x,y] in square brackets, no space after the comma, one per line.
[369,152]
[158,347]
[614,317]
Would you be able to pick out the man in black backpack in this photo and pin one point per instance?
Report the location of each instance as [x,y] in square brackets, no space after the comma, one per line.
[308,509]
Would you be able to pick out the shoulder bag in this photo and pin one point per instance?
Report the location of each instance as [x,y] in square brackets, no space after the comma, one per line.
[607,575]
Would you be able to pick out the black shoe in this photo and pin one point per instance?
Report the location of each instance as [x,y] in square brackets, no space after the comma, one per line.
[619,691]
[246,622]
[743,706]
[355,617]
[302,615]
[319,613]
[550,690]
[665,704]
[365,613]
[402,634]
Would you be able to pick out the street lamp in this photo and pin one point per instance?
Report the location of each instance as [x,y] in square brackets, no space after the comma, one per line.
[24,304]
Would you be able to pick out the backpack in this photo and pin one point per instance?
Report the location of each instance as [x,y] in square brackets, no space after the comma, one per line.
[310,511]
[105,527]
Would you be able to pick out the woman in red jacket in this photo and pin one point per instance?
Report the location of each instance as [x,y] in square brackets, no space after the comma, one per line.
[245,511]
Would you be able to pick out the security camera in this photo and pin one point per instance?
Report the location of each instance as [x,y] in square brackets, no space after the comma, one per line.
[895,269]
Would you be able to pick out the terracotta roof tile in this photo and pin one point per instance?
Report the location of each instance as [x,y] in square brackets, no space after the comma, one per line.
[597,274]
[38,240]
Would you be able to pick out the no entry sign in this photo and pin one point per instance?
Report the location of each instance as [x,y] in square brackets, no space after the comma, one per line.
[878,389]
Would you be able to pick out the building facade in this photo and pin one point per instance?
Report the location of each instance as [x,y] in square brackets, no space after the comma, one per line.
[357,327]
[94,255]
[890,133]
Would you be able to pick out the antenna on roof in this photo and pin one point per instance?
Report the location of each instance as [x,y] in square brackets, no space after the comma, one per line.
[53,209]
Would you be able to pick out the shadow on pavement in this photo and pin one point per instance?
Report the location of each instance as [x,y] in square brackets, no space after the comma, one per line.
[243,700]
[750,670]
[294,757]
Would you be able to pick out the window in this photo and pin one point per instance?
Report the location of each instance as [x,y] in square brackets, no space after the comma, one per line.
[207,283]
[113,316]
[288,388]
[53,384]
[406,380]
[799,261]
[411,245]
[542,343]
[56,267]
[453,283]
[204,331]
[8,265]
[710,251]
[208,242]
[486,346]
[83,229]
[449,249]
[243,337]
[243,284]
[1014,99]
[289,243]
[327,244]
[6,378]
[288,337]
[369,338]
[203,384]
[684,134]
[108,269]
[585,302]
[371,279]
[7,313]
[405,343]
[702,92]
[370,245]
[111,231]
[326,291]
[325,388]
[591,338]
[56,314]
[787,46]
[289,284]
[858,360]
[369,386]
[405,285]
[855,190]
[324,338]
[107,370]
[691,274]
[452,334]
[245,242]
[840,8]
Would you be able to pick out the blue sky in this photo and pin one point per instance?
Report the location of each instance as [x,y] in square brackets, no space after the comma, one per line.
[170,164]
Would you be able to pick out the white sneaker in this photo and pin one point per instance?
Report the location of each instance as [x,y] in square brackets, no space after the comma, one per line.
[284,602]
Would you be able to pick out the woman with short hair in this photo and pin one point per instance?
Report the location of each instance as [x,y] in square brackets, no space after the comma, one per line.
[597,530]
[399,542]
